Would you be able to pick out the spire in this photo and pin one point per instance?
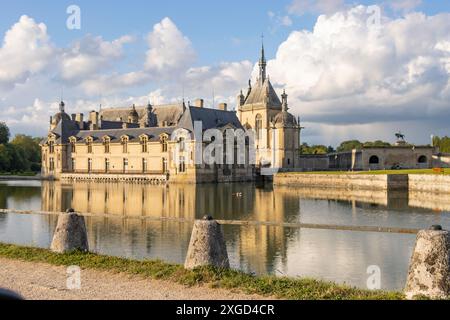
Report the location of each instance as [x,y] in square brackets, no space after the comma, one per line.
[262,64]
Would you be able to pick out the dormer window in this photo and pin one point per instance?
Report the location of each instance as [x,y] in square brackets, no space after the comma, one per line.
[73,142]
[163,140]
[124,141]
[106,144]
[144,143]
[51,147]
[89,141]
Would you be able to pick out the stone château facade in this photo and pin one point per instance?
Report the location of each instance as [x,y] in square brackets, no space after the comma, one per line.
[138,143]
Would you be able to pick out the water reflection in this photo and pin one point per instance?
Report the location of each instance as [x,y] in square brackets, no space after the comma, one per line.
[333,255]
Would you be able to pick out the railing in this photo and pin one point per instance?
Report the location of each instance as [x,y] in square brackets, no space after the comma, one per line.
[117,172]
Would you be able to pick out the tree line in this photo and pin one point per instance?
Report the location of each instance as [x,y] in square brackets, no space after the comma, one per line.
[343,147]
[443,144]
[20,155]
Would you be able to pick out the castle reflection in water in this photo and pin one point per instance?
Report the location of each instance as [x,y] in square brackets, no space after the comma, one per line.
[257,249]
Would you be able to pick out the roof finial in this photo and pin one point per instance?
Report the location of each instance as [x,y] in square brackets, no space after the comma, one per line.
[284,98]
[61,104]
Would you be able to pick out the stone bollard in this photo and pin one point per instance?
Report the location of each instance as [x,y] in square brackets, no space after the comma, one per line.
[207,246]
[429,269]
[70,233]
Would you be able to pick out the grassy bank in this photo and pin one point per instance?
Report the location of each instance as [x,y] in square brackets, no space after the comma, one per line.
[379,172]
[283,288]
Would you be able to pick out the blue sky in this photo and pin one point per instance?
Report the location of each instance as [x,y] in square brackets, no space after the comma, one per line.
[338,95]
[220,30]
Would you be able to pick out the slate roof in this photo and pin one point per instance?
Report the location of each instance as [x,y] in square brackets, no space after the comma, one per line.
[260,91]
[175,116]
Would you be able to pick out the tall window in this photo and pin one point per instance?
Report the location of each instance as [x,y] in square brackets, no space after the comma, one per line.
[89,165]
[144,165]
[51,164]
[144,144]
[73,165]
[106,165]
[51,147]
[182,142]
[182,167]
[164,143]
[89,145]
[73,147]
[125,165]
[258,127]
[164,165]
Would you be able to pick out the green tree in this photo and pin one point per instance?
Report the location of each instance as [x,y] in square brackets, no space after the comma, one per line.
[4,133]
[349,145]
[315,149]
[443,144]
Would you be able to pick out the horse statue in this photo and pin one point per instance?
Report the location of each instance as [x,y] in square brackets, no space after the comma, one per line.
[400,136]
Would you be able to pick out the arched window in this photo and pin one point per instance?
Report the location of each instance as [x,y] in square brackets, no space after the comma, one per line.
[182,143]
[164,143]
[422,159]
[374,160]
[258,127]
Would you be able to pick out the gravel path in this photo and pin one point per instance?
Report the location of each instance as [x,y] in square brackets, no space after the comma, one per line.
[39,281]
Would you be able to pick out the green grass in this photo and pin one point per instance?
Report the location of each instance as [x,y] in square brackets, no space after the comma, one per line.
[378,172]
[283,288]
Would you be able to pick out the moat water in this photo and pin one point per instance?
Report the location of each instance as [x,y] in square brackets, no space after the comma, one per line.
[339,256]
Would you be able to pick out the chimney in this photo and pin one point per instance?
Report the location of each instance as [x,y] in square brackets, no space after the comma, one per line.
[199,103]
[93,118]
[79,118]
[223,107]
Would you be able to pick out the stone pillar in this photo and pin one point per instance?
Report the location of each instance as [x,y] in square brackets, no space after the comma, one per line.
[70,234]
[429,269]
[207,246]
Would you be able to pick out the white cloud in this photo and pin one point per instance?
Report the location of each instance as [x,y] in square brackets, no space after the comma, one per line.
[345,73]
[404,5]
[301,7]
[170,51]
[91,55]
[26,50]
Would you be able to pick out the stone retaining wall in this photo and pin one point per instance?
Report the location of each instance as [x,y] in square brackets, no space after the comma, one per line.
[429,183]
[414,182]
[344,181]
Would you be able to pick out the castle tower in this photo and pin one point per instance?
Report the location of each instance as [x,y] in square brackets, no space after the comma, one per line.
[277,133]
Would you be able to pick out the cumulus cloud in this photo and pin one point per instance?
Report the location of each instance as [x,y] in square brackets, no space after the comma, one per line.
[91,55]
[301,7]
[404,5]
[170,51]
[346,73]
[26,50]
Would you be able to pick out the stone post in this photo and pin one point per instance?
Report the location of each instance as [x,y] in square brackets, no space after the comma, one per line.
[70,234]
[429,269]
[207,246]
